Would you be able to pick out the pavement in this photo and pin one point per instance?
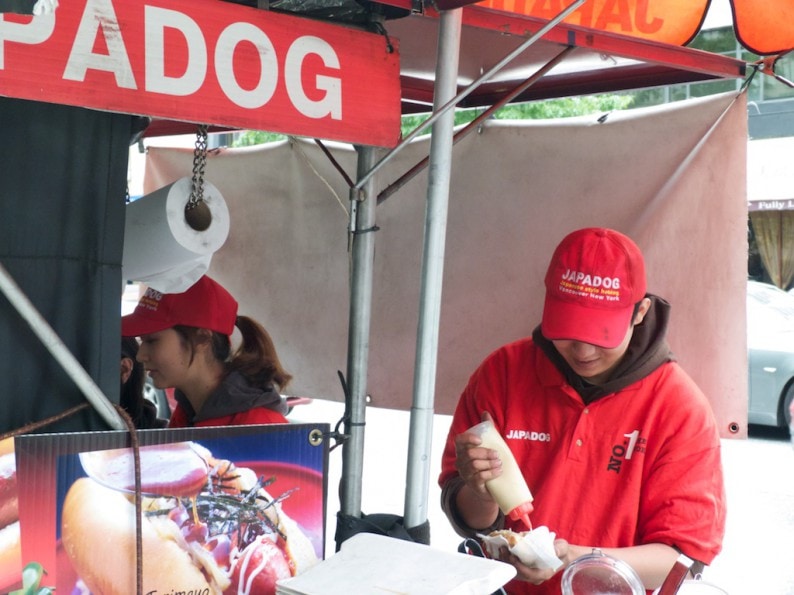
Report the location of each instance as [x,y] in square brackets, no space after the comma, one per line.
[758,551]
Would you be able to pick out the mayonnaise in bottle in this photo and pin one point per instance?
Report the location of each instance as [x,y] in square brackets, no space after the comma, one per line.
[510,489]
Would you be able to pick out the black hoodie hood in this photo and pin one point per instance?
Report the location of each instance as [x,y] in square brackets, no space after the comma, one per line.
[234,395]
[647,351]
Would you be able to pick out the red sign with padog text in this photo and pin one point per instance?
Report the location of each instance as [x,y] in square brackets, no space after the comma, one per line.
[209,62]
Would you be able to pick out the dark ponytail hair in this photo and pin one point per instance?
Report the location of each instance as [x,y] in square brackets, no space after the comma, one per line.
[256,358]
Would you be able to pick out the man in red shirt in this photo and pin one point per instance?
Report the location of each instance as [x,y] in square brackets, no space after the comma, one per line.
[618,445]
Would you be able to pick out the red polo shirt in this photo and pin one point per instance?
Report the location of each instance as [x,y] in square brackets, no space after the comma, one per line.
[638,466]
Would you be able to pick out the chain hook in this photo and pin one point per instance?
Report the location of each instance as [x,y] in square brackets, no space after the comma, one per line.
[197,213]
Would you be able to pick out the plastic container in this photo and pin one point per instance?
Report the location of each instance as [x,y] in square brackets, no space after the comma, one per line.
[510,489]
[599,574]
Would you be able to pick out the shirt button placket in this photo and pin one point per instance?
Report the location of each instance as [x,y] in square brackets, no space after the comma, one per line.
[579,441]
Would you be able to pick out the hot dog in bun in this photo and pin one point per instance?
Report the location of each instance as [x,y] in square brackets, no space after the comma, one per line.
[534,548]
[230,536]
[511,537]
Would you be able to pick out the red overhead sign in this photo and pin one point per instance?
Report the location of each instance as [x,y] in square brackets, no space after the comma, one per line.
[209,62]
[668,21]
[763,27]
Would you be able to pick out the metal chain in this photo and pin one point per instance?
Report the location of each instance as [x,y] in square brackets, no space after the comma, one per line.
[199,163]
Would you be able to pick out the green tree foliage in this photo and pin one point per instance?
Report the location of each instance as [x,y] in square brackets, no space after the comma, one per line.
[249,138]
[565,107]
[537,110]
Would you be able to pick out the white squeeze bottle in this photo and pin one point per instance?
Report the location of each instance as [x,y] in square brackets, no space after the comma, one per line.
[510,490]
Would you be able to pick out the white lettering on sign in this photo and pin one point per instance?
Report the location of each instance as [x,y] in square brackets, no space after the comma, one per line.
[99,14]
[38,30]
[157,20]
[224,67]
[227,64]
[331,103]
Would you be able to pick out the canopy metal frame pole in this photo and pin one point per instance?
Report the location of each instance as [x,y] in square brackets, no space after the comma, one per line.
[362,215]
[362,218]
[355,191]
[441,142]
[477,122]
[421,427]
[59,350]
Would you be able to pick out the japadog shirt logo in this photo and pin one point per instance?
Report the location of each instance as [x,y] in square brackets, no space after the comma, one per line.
[623,451]
[514,434]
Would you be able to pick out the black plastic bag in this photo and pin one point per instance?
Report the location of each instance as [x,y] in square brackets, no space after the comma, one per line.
[390,525]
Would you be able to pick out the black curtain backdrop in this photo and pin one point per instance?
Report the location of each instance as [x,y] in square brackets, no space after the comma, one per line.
[63,177]
[18,6]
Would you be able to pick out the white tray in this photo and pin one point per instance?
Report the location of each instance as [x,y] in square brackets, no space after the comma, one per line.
[369,564]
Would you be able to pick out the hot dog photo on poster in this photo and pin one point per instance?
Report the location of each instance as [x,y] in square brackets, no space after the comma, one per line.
[224,510]
[10,552]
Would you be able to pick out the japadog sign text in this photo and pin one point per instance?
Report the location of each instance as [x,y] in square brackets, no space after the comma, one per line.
[207,61]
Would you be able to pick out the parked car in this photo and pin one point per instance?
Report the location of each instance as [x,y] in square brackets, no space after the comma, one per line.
[770,343]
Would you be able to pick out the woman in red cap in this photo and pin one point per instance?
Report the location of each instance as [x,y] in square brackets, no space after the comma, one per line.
[618,445]
[186,345]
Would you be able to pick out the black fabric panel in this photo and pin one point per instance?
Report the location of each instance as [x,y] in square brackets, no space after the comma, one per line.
[18,6]
[63,177]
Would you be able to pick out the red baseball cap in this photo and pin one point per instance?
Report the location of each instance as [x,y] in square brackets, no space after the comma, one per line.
[595,278]
[205,304]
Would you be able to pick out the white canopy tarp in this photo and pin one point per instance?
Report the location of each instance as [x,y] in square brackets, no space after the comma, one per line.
[671,177]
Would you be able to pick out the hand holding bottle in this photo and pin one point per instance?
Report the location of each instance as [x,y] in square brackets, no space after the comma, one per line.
[508,488]
[488,467]
[476,463]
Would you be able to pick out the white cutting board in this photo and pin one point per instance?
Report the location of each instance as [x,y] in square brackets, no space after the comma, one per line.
[369,564]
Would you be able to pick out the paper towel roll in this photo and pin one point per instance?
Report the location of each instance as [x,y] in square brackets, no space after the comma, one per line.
[160,248]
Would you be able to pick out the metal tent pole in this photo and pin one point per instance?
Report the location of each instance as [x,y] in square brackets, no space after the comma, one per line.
[421,429]
[439,111]
[362,216]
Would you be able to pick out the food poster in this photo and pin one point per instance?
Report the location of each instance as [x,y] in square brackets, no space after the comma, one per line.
[10,555]
[224,510]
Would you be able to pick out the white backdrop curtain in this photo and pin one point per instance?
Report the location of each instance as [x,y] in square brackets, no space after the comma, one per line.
[672,177]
